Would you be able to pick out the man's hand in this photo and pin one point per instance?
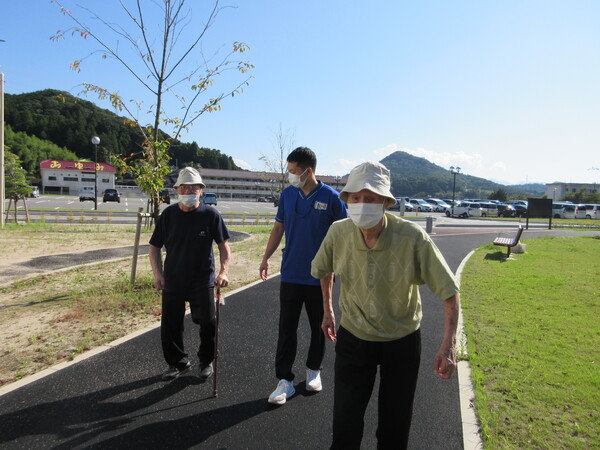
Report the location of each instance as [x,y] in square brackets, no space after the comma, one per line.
[328,325]
[445,362]
[159,282]
[264,269]
[221,280]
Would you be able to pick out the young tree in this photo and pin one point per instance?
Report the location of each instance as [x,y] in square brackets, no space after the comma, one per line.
[277,162]
[500,194]
[161,62]
[15,182]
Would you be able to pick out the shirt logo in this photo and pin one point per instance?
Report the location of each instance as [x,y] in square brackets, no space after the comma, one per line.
[320,206]
[202,234]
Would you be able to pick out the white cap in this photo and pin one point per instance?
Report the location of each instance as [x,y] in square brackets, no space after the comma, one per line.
[189,175]
[369,175]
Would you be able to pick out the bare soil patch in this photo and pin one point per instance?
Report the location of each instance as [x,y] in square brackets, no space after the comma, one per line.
[54,317]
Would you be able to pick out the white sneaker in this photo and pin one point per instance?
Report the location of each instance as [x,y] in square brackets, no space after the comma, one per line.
[313,380]
[285,389]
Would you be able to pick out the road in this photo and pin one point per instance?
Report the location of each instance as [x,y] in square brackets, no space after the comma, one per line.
[128,204]
[68,208]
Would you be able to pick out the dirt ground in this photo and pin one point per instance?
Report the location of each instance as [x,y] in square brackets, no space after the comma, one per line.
[41,326]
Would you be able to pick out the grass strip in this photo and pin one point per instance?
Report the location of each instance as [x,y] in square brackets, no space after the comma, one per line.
[533,333]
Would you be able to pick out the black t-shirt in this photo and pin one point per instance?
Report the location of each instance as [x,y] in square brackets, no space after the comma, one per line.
[188,239]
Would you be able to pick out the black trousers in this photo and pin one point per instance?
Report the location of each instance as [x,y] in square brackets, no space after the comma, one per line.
[202,306]
[291,299]
[356,363]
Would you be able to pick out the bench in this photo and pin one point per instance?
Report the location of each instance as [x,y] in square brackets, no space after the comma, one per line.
[508,242]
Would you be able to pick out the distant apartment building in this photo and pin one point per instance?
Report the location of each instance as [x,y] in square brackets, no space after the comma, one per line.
[249,186]
[558,191]
[70,177]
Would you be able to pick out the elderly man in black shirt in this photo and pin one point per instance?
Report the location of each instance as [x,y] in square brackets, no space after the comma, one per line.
[187,230]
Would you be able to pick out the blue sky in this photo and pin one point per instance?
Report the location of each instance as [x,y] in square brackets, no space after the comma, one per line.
[507,90]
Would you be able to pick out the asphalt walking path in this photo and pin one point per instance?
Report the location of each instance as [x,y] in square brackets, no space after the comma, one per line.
[115,399]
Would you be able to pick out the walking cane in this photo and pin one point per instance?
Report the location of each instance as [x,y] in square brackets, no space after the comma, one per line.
[218,302]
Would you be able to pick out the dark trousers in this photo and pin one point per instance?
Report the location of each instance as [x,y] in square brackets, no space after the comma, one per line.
[291,298]
[356,363]
[202,306]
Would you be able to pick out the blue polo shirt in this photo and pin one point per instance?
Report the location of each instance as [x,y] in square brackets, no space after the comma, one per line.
[306,220]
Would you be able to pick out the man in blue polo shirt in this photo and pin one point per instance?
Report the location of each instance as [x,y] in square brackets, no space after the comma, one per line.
[306,210]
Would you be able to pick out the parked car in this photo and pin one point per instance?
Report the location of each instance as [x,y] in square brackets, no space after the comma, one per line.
[407,206]
[517,202]
[459,210]
[506,210]
[474,209]
[262,199]
[437,204]
[592,211]
[35,192]
[580,211]
[111,195]
[420,205]
[466,209]
[558,207]
[87,194]
[520,210]
[568,212]
[209,198]
[488,209]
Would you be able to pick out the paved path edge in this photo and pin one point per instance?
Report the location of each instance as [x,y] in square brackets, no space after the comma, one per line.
[470,425]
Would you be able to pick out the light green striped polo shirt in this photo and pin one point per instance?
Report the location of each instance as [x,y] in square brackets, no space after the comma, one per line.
[379,296]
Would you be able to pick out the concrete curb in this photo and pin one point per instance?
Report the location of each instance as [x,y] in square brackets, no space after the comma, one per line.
[470,425]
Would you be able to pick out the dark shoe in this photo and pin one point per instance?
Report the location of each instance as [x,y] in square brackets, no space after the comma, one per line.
[175,372]
[206,370]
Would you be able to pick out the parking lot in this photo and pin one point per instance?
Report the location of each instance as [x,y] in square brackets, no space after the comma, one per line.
[130,204]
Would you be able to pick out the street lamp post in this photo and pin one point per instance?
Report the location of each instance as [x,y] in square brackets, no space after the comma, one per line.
[454,171]
[337,183]
[95,141]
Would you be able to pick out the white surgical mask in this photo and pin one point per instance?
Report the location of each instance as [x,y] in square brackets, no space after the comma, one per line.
[365,215]
[295,180]
[188,200]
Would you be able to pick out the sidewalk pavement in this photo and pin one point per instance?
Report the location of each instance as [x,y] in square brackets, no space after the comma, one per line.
[115,399]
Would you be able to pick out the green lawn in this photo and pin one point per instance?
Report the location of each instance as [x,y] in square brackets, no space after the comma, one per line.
[533,329]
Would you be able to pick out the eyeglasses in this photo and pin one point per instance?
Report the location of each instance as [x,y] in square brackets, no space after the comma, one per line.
[189,187]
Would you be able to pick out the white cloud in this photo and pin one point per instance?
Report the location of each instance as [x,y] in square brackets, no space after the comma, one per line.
[470,163]
[344,166]
[241,163]
[382,152]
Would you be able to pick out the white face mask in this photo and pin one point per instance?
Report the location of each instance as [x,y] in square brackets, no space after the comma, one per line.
[295,179]
[365,215]
[188,200]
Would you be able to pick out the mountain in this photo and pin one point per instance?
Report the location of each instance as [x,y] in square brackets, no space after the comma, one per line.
[416,177]
[69,122]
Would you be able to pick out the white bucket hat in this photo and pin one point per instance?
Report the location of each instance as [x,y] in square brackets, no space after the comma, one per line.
[369,175]
[189,175]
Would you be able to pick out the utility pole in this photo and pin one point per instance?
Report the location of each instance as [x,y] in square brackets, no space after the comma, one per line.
[2,193]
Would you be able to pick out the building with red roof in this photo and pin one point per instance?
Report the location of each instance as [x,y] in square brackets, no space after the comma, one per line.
[70,177]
